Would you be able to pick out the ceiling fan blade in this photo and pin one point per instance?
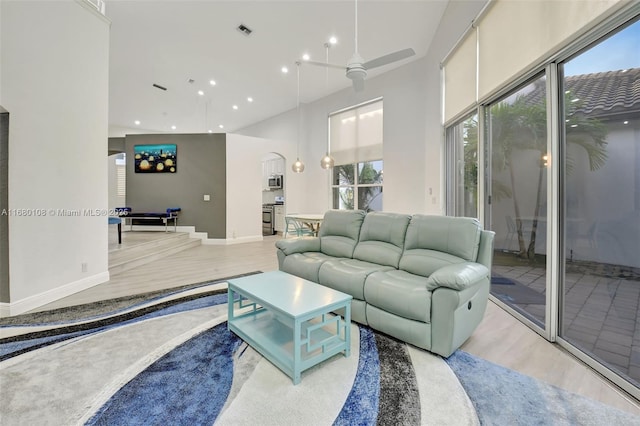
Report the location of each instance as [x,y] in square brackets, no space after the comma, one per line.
[358,85]
[325,64]
[387,59]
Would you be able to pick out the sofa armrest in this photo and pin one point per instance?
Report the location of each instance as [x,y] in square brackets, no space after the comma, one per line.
[458,276]
[299,245]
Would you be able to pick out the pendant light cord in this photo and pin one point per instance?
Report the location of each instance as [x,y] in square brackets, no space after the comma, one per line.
[298,107]
[356,27]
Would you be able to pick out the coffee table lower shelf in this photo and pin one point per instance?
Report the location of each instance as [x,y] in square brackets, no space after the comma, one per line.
[274,336]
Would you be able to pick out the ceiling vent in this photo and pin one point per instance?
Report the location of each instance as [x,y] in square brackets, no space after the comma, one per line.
[244,29]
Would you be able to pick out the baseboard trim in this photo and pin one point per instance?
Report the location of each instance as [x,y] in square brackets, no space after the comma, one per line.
[158,228]
[37,300]
[230,241]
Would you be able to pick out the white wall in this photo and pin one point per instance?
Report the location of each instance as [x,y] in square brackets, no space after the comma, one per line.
[244,184]
[54,78]
[412,126]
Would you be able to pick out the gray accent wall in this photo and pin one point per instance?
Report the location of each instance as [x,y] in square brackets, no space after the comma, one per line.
[4,205]
[201,170]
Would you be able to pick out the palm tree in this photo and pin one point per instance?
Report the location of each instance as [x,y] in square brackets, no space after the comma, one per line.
[345,176]
[367,194]
[521,125]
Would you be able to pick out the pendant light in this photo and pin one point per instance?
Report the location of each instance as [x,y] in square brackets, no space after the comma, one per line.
[298,166]
[327,161]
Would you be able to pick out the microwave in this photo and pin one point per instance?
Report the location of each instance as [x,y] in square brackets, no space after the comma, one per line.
[275,182]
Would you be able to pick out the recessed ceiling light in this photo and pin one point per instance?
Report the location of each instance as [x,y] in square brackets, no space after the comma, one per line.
[235,107]
[137,122]
[210,131]
[285,70]
[333,40]
[249,99]
[306,57]
[625,122]
[221,126]
[173,127]
[212,82]
[200,92]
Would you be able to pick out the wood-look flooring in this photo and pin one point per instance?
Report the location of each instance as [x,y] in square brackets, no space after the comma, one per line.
[500,338]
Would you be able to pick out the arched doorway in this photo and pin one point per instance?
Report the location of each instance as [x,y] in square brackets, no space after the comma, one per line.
[273,193]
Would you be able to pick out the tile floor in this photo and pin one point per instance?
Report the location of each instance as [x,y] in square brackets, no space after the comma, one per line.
[600,311]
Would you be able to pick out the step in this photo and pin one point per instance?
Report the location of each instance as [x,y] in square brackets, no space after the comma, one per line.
[136,243]
[129,258]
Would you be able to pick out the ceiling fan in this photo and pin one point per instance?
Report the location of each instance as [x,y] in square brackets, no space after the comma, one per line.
[356,68]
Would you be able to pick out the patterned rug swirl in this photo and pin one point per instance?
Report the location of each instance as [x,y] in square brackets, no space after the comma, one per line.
[167,358]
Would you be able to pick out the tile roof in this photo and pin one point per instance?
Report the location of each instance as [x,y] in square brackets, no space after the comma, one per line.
[599,94]
[605,93]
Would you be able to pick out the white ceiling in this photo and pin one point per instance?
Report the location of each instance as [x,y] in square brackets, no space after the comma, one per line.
[168,42]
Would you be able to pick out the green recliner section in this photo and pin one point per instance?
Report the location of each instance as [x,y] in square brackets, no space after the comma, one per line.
[422,279]
[337,238]
[379,248]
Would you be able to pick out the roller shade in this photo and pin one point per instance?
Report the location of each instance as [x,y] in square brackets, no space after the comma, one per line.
[356,134]
[460,77]
[513,34]
[510,37]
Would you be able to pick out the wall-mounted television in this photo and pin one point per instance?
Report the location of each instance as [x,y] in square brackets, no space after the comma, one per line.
[161,158]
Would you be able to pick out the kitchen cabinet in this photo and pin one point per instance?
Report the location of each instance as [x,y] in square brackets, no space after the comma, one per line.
[269,168]
[278,213]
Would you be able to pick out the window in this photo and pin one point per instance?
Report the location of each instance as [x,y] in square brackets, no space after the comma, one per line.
[462,160]
[121,176]
[358,186]
[356,146]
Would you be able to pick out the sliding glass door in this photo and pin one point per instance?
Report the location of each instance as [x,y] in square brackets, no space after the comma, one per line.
[601,144]
[516,136]
[559,184]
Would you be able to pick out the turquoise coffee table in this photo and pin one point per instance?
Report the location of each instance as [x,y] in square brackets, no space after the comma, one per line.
[288,320]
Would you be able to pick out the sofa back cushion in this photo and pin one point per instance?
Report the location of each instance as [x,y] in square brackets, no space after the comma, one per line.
[340,231]
[382,238]
[436,241]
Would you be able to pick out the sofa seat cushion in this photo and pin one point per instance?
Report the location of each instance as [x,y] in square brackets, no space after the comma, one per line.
[399,293]
[305,265]
[348,275]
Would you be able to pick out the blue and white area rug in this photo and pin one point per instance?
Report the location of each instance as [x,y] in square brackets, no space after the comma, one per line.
[166,358]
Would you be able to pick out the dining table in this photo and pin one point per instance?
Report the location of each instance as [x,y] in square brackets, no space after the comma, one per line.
[310,220]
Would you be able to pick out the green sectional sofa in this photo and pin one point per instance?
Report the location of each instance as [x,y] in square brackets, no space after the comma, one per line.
[422,279]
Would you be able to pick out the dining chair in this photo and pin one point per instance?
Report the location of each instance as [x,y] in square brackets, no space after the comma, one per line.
[297,228]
